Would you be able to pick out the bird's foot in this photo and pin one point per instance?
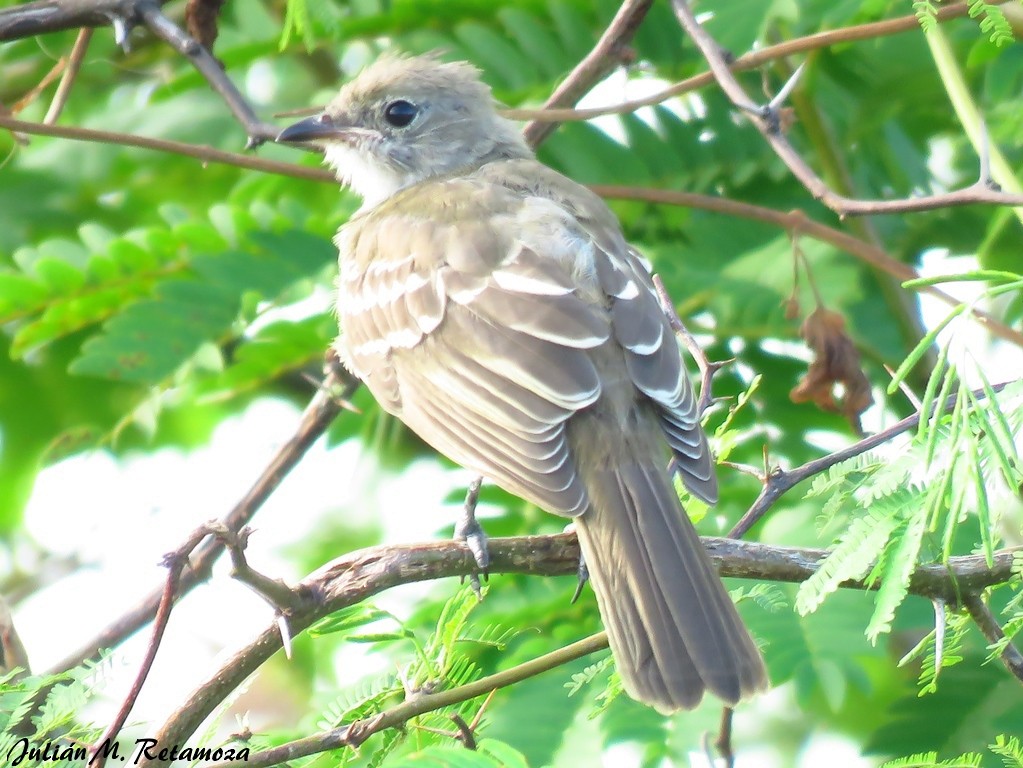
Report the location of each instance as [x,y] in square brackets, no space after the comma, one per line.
[468,529]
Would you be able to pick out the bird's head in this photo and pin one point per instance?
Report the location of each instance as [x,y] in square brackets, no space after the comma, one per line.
[406,119]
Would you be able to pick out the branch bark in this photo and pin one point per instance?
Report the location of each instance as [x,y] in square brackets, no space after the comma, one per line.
[362,574]
[766,120]
[45,16]
[324,406]
[605,56]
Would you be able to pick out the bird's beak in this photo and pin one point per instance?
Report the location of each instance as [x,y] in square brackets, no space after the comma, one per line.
[316,128]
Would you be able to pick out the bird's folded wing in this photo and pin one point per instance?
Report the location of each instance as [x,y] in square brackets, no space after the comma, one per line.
[477,342]
[474,322]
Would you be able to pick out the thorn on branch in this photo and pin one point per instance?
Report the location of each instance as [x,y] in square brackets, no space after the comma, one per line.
[582,575]
[746,469]
[939,633]
[122,32]
[276,592]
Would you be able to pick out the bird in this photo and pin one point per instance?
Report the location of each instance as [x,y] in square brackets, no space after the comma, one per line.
[494,306]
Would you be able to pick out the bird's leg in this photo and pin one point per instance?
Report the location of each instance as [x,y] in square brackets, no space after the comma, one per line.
[467,529]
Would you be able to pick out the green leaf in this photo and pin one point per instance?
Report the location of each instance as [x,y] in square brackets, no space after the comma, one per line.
[899,567]
[857,549]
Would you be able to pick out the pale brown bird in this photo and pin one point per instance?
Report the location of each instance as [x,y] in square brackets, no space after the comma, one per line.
[494,306]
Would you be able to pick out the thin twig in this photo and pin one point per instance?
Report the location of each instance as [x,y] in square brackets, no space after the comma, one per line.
[797,221]
[990,628]
[779,481]
[176,562]
[44,16]
[747,61]
[275,592]
[723,743]
[765,118]
[28,98]
[201,152]
[356,733]
[209,68]
[67,79]
[605,56]
[706,366]
[317,417]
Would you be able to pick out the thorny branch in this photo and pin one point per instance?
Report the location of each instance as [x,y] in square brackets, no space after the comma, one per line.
[359,575]
[322,409]
[209,68]
[778,481]
[610,51]
[746,62]
[53,15]
[989,627]
[766,118]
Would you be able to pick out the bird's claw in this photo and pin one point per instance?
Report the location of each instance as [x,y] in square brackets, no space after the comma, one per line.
[582,574]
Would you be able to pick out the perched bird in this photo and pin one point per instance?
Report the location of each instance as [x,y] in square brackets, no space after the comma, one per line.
[494,306]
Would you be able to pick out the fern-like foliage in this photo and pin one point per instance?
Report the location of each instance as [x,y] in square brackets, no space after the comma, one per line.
[940,649]
[947,473]
[992,21]
[930,760]
[162,292]
[436,662]
[926,13]
[47,708]
[1009,749]
[857,551]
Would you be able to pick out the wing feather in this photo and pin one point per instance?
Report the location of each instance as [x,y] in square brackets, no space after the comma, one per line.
[481,335]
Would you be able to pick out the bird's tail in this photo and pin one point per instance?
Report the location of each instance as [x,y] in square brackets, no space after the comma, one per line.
[672,627]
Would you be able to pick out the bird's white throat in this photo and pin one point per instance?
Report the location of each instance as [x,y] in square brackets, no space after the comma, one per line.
[368,178]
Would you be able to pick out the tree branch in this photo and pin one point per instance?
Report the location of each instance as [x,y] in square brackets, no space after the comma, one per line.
[778,482]
[359,575]
[798,222]
[211,69]
[54,15]
[175,562]
[356,733]
[766,120]
[746,62]
[989,627]
[322,409]
[45,16]
[606,55]
[201,152]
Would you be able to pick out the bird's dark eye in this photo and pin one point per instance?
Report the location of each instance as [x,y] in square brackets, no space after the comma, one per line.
[400,113]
